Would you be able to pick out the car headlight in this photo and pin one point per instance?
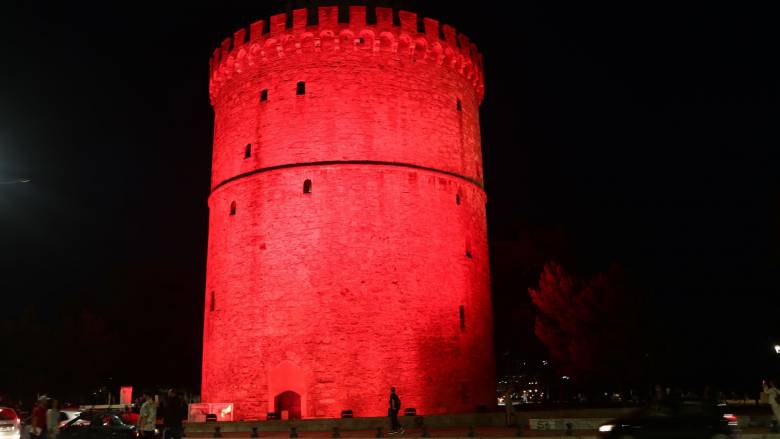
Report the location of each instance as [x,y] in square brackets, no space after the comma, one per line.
[606,428]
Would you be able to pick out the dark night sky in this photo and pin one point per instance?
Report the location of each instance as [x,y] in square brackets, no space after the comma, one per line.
[643,134]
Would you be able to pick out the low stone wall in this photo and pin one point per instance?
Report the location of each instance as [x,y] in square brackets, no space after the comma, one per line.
[327,424]
[556,420]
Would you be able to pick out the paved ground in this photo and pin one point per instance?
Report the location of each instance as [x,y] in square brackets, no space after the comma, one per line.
[484,432]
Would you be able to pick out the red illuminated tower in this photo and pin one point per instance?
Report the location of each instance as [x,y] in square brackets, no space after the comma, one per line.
[347,237]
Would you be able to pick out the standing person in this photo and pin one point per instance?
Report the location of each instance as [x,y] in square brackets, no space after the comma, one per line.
[174,412]
[509,405]
[392,411]
[658,392]
[772,395]
[53,420]
[147,419]
[38,421]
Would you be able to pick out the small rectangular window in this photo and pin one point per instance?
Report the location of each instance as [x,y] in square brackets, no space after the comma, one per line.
[458,105]
[464,392]
[248,151]
[301,90]
[211,302]
[462,317]
[263,95]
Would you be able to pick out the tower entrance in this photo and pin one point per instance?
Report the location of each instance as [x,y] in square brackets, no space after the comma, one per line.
[289,401]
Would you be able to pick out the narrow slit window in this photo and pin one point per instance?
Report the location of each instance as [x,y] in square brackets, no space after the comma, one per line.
[263,95]
[301,89]
[462,314]
[468,253]
[232,208]
[307,187]
[457,199]
[248,151]
[212,304]
[458,105]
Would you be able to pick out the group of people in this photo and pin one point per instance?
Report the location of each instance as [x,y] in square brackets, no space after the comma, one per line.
[45,416]
[45,419]
[172,409]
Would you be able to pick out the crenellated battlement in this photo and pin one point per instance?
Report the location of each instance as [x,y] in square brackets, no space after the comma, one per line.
[419,39]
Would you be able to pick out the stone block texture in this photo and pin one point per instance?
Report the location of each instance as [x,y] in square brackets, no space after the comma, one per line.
[347,244]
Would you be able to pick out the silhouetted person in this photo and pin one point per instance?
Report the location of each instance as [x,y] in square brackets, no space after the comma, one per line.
[53,420]
[658,393]
[38,421]
[509,406]
[392,411]
[174,412]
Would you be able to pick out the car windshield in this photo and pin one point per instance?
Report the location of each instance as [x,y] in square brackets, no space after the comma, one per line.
[106,420]
[7,414]
[95,420]
[79,421]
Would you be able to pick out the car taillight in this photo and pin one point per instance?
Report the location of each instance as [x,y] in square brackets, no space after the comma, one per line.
[730,418]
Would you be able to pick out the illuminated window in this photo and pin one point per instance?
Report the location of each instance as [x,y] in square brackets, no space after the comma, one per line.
[212,304]
[301,90]
[458,105]
[462,317]
[248,151]
[263,95]
[307,187]
[232,207]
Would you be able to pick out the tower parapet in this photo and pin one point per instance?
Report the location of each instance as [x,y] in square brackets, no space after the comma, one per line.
[414,38]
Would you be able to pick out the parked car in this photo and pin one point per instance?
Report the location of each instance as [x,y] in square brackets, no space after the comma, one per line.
[10,424]
[98,425]
[682,419]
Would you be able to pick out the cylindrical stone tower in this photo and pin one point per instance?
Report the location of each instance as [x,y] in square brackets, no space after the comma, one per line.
[347,237]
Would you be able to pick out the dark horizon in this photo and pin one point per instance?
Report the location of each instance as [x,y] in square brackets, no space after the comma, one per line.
[611,134]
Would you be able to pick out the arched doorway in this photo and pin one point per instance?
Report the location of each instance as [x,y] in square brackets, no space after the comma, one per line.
[289,401]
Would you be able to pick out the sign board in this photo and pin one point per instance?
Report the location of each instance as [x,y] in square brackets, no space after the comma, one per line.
[560,424]
[126,395]
[197,412]
[223,410]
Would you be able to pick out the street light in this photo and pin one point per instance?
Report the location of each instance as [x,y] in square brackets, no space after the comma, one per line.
[777,349]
